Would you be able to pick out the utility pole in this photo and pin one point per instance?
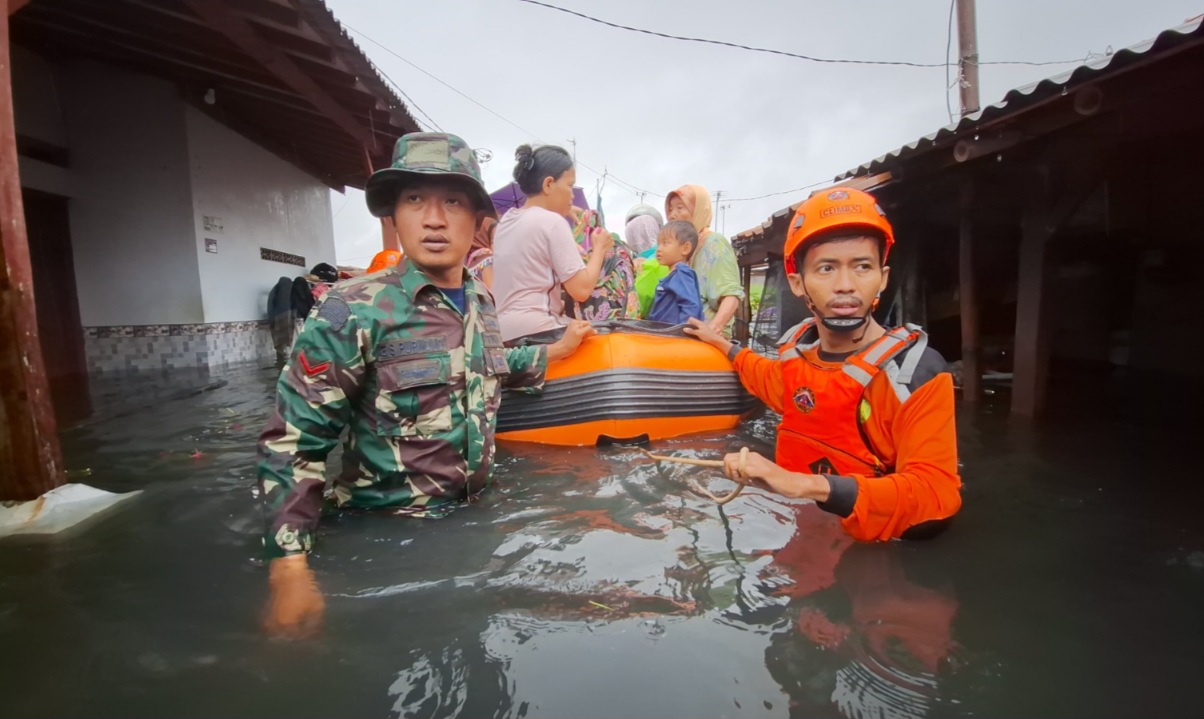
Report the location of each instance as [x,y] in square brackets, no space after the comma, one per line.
[723,218]
[574,142]
[967,61]
[715,214]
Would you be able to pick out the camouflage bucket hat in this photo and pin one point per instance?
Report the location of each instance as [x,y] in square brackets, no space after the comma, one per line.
[420,154]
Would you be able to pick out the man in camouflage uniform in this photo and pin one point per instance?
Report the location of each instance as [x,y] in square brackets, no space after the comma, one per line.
[409,360]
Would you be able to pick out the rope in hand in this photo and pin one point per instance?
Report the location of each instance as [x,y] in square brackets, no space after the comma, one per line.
[719,500]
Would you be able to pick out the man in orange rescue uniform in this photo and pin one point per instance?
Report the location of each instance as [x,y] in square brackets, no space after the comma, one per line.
[867,413]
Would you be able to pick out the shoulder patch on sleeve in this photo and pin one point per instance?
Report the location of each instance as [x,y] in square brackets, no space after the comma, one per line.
[335,311]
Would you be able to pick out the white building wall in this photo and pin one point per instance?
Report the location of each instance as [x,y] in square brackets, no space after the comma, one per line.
[132,212]
[258,201]
[146,170]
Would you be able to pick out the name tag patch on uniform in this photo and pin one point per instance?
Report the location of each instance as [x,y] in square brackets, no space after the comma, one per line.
[415,346]
[419,372]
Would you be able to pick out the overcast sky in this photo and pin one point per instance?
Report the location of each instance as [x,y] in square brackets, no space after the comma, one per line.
[660,113]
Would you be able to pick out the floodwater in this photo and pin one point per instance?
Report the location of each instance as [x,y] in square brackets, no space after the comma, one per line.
[589,583]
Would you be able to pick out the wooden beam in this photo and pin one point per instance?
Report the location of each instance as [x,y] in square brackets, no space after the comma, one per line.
[1031,351]
[144,59]
[243,34]
[744,317]
[865,183]
[968,296]
[1042,216]
[31,462]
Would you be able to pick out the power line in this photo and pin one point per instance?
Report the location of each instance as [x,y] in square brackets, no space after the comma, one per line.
[783,53]
[430,120]
[774,194]
[441,82]
[948,47]
[503,118]
[396,86]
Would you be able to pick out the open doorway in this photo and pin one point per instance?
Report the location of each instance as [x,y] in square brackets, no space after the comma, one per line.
[59,328]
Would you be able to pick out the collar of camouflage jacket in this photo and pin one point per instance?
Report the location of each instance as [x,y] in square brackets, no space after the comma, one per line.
[413,280]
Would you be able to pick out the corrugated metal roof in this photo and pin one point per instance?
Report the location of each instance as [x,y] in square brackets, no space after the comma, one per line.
[1021,98]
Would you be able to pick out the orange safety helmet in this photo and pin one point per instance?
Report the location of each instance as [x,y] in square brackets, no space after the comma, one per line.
[832,208]
[384,260]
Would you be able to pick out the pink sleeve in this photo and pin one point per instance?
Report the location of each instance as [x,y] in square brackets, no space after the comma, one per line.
[563,254]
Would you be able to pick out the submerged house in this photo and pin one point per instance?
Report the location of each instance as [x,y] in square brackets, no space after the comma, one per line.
[173,160]
[1052,235]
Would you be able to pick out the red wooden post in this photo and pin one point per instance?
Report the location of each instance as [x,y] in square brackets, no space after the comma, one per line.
[388,236]
[30,460]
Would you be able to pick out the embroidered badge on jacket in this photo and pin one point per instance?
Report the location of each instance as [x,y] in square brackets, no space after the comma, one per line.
[804,399]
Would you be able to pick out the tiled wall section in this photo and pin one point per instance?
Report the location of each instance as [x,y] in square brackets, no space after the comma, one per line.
[154,347]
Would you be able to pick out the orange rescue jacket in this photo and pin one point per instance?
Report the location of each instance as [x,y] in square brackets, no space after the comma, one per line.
[886,440]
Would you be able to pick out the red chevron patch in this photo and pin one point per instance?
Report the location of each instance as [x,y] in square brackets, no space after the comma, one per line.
[311,370]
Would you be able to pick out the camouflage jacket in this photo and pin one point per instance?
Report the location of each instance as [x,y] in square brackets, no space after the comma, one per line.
[416,382]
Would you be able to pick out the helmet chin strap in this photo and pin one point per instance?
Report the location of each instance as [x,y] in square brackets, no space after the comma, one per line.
[840,325]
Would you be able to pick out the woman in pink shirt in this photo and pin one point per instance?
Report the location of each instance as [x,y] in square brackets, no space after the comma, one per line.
[534,254]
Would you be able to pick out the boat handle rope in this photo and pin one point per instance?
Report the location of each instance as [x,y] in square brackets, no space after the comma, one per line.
[716,463]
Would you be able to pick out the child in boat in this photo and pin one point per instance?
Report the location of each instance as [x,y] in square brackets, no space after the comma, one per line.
[677,297]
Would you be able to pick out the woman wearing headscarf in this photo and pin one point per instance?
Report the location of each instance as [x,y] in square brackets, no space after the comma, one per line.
[535,255]
[714,261]
[644,222]
[479,261]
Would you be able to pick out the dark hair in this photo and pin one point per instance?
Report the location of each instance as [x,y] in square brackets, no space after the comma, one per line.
[839,234]
[684,232]
[532,165]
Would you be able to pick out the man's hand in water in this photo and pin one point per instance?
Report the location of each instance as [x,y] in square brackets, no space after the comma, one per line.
[706,333]
[296,606]
[574,334]
[760,471]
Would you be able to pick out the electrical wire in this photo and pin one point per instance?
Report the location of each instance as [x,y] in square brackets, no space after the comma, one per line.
[441,82]
[771,51]
[430,120]
[626,185]
[774,194]
[948,47]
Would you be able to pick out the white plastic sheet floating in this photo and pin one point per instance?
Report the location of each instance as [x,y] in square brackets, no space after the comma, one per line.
[59,509]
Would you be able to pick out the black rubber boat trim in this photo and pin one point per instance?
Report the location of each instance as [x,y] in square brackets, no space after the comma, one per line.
[625,394]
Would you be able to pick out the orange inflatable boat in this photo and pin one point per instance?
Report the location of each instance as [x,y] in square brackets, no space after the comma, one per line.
[634,381]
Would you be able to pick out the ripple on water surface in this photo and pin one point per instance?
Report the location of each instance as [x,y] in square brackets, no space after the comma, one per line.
[587,582]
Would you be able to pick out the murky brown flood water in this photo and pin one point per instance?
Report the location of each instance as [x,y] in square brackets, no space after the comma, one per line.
[589,583]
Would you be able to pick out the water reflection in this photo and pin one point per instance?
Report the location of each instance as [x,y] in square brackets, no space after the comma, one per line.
[592,582]
[867,634]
